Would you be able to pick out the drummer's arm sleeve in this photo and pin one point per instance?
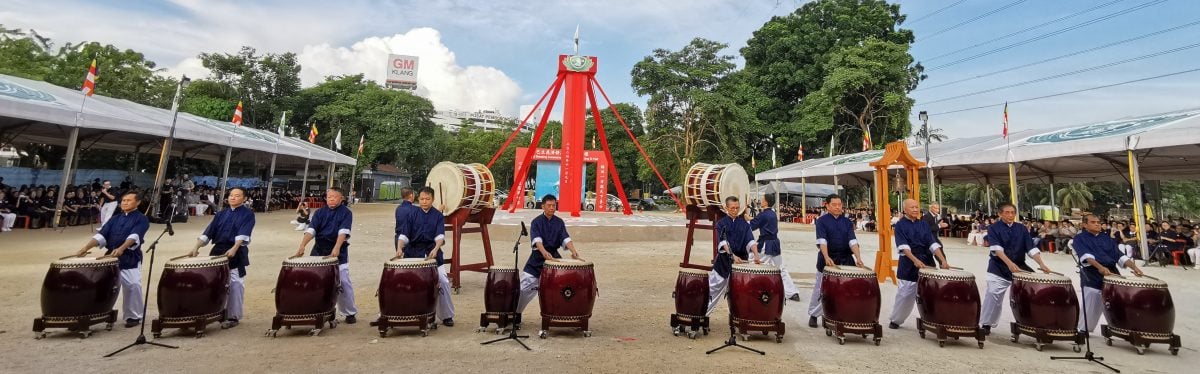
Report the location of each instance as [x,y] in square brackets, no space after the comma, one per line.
[723,246]
[821,234]
[347,222]
[1085,252]
[245,229]
[441,230]
[1033,249]
[852,236]
[902,241]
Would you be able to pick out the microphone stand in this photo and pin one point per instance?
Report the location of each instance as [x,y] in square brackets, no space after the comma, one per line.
[141,339]
[732,342]
[516,317]
[1087,338]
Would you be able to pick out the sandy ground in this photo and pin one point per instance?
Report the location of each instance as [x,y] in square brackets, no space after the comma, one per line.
[636,267]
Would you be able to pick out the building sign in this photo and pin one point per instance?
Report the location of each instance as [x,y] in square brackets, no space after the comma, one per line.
[402,70]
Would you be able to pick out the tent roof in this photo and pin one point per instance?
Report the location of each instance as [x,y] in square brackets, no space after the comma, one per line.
[124,125]
[809,189]
[1167,144]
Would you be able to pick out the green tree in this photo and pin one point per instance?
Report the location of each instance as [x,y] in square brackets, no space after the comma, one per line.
[684,111]
[21,57]
[1075,195]
[123,74]
[266,84]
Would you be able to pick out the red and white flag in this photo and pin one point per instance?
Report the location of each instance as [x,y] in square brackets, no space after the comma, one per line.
[800,153]
[312,134]
[1006,119]
[866,141]
[237,114]
[361,140]
[89,83]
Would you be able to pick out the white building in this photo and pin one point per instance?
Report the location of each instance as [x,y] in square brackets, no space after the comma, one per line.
[452,120]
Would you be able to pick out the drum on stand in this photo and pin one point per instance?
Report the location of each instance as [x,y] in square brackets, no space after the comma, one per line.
[691,303]
[949,305]
[566,293]
[500,298]
[709,184]
[78,292]
[192,293]
[1045,307]
[756,300]
[1139,310]
[469,186]
[306,294]
[408,292]
[851,302]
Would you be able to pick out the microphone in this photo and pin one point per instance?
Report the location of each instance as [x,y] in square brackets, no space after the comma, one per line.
[524,232]
[170,228]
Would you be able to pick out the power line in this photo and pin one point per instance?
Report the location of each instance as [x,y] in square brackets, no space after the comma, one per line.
[1069,92]
[1018,32]
[1059,57]
[1056,76]
[931,14]
[1050,34]
[972,19]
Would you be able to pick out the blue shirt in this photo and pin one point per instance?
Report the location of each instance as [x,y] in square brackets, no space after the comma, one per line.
[325,226]
[916,237]
[1014,241]
[767,224]
[736,234]
[229,226]
[1101,248]
[420,231]
[402,212]
[838,234]
[121,227]
[552,233]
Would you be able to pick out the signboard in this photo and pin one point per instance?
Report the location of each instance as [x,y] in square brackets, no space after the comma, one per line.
[402,70]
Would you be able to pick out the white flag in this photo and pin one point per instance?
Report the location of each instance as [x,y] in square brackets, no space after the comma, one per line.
[337,141]
[282,122]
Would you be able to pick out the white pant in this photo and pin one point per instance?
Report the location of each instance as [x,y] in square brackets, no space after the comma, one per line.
[237,292]
[993,300]
[345,304]
[445,306]
[132,303]
[815,308]
[1093,305]
[200,208]
[906,297]
[9,219]
[789,287]
[1126,249]
[1194,253]
[717,286]
[529,290]
[106,211]
[976,238]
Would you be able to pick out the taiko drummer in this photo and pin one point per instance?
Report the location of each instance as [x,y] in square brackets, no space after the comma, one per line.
[549,234]
[121,237]
[229,232]
[1100,257]
[330,226]
[422,232]
[917,248]
[839,246]
[737,242]
[1010,244]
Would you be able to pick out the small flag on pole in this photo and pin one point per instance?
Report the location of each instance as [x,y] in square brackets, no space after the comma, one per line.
[89,83]
[1006,119]
[800,153]
[866,141]
[237,114]
[282,122]
[337,140]
[753,163]
[312,134]
[361,140]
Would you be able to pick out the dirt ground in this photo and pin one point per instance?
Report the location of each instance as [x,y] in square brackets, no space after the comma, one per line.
[636,268]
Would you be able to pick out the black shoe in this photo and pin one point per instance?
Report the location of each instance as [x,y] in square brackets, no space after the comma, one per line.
[893,325]
[987,330]
[812,321]
[448,322]
[130,322]
[350,320]
[795,297]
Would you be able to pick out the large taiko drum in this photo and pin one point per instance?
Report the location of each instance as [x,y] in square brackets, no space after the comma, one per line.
[499,295]
[708,184]
[193,287]
[468,186]
[408,288]
[567,289]
[948,297]
[691,293]
[80,288]
[850,295]
[756,293]
[1044,301]
[307,286]
[1138,304]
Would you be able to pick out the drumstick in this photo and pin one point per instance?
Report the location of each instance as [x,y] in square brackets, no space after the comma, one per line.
[176,258]
[1147,276]
[395,258]
[1055,272]
[292,257]
[956,268]
[441,196]
[868,268]
[215,257]
[64,258]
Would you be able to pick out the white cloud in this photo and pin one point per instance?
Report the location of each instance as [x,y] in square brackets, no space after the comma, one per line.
[439,77]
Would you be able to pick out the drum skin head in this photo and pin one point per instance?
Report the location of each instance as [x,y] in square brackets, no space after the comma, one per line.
[88,261]
[1135,281]
[198,261]
[449,176]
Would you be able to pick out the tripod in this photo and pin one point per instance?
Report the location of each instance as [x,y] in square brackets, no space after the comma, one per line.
[512,333]
[141,339]
[1087,339]
[732,342]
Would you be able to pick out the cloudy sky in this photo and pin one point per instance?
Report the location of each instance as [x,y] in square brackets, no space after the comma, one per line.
[501,54]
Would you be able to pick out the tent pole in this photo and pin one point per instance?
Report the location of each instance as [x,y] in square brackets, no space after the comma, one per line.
[304,182]
[225,174]
[66,177]
[1135,179]
[270,181]
[329,176]
[803,199]
[1053,204]
[1012,187]
[988,193]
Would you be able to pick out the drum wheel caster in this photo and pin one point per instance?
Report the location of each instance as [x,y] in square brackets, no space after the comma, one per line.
[841,340]
[333,324]
[778,338]
[922,334]
[1076,348]
[877,341]
[39,335]
[1039,348]
[424,333]
[587,333]
[457,290]
[85,334]
[864,336]
[314,332]
[1014,339]
[941,343]
[675,331]
[828,332]
[745,337]
[156,335]
[270,333]
[542,334]
[482,329]
[691,334]
[1174,351]
[288,327]
[108,327]
[1108,341]
[705,331]
[500,331]
[199,335]
[1140,350]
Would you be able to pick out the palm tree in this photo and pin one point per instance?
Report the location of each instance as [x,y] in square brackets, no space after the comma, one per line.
[978,193]
[1075,195]
[935,136]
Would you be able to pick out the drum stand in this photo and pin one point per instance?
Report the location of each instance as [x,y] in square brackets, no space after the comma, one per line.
[141,339]
[455,224]
[1087,336]
[694,215]
[516,317]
